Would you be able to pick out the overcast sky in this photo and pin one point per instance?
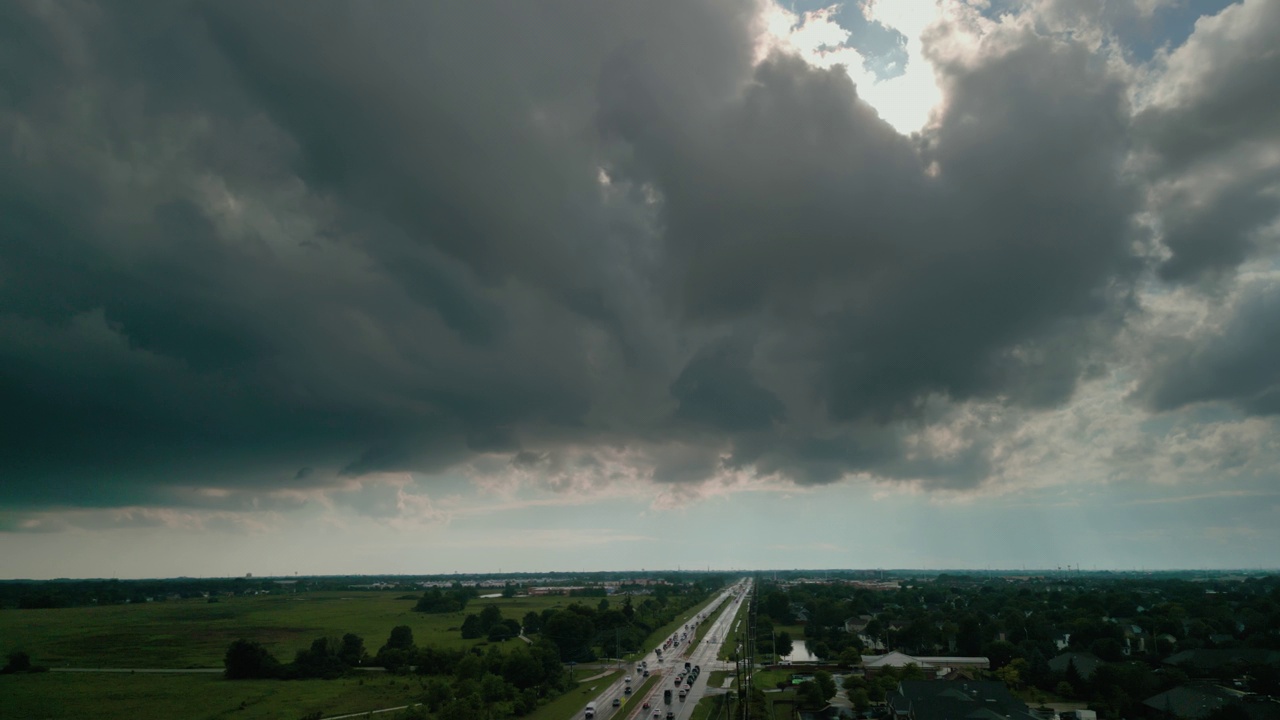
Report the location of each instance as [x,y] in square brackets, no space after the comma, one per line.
[566,284]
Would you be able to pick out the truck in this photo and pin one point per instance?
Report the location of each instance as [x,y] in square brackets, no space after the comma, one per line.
[591,710]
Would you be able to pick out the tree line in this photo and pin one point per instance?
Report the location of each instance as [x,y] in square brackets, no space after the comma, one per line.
[457,684]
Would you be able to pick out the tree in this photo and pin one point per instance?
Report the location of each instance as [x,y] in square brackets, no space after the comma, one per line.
[397,654]
[783,642]
[572,633]
[1012,673]
[319,661]
[246,660]
[504,630]
[352,651]
[1000,653]
[532,622]
[491,615]
[810,695]
[860,699]
[20,662]
[471,627]
[912,671]
[826,683]
[401,638]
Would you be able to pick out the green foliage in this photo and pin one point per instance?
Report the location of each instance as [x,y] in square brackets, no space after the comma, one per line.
[861,701]
[20,662]
[782,641]
[321,660]
[532,623]
[247,660]
[809,694]
[352,650]
[439,601]
[826,684]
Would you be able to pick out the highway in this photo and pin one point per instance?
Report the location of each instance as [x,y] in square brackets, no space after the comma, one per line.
[672,664]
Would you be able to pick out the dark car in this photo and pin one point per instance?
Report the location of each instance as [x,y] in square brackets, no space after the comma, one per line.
[617,702]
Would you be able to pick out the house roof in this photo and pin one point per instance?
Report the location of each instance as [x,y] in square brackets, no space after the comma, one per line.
[1192,701]
[1085,663]
[1212,658]
[899,659]
[946,700]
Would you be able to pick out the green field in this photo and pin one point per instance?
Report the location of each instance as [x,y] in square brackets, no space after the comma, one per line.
[571,703]
[769,679]
[64,696]
[707,624]
[195,633]
[711,708]
[717,677]
[727,647]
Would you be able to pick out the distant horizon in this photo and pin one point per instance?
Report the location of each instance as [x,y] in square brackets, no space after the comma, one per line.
[712,571]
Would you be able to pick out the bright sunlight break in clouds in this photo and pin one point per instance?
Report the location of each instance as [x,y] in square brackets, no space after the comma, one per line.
[421,287]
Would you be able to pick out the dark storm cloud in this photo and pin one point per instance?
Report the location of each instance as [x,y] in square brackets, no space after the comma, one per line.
[797,196]
[1215,114]
[1235,363]
[240,239]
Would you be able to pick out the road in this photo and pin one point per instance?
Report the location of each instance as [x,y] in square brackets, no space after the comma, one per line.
[672,664]
[137,670]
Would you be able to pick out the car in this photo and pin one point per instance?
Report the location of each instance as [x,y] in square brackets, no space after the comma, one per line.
[686,666]
[646,673]
[671,715]
[626,690]
[684,694]
[617,702]
[657,713]
[645,706]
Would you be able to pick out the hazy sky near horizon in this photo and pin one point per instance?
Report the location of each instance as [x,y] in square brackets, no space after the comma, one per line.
[417,287]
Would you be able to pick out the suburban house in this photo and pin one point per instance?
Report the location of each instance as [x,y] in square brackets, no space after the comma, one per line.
[944,700]
[1085,663]
[1192,702]
[937,665]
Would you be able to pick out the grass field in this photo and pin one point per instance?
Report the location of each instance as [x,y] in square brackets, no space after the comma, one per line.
[195,633]
[570,704]
[64,696]
[769,679]
[717,677]
[711,708]
[727,647]
[706,625]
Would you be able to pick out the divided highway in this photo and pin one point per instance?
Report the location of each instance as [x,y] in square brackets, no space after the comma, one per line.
[671,665]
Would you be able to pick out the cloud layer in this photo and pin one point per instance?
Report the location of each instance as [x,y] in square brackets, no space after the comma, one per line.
[278,249]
